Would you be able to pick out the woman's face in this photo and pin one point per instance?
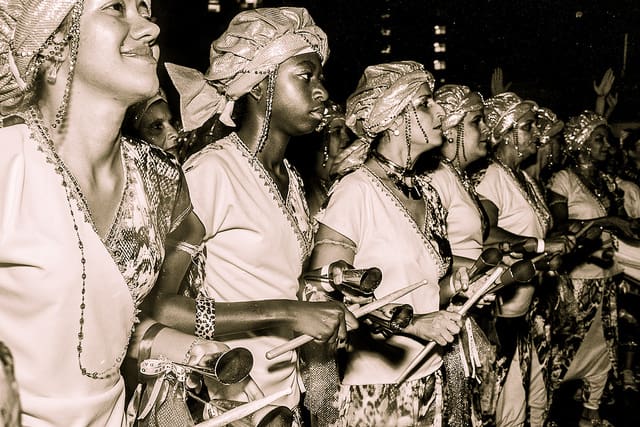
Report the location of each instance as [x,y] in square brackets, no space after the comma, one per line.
[336,139]
[597,145]
[117,55]
[527,135]
[425,120]
[298,101]
[156,127]
[476,136]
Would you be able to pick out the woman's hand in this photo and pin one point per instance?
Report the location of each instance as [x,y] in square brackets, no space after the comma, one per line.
[439,326]
[324,321]
[606,83]
[563,244]
[497,82]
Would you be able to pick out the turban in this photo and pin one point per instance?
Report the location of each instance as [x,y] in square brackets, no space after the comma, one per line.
[25,28]
[548,123]
[578,129]
[383,92]
[503,111]
[457,101]
[254,44]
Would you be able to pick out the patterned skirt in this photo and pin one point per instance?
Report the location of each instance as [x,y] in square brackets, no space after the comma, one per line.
[411,403]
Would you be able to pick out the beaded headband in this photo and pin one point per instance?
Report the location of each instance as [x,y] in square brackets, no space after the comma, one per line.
[256,42]
[27,29]
[503,111]
[457,101]
[382,94]
[579,128]
[548,124]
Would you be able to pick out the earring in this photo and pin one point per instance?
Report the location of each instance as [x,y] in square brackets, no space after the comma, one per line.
[325,155]
[396,132]
[52,72]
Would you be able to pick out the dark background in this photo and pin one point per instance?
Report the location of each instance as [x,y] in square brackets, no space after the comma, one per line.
[552,50]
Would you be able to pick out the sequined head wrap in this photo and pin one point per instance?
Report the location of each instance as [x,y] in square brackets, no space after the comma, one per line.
[383,92]
[256,42]
[457,101]
[27,28]
[578,129]
[502,112]
[548,124]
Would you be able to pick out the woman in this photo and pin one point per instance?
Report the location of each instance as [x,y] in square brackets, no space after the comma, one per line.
[79,269]
[548,159]
[584,328]
[516,210]
[151,120]
[466,141]
[385,214]
[315,155]
[249,201]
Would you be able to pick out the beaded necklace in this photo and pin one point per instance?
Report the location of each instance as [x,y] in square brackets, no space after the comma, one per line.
[530,193]
[397,175]
[463,178]
[603,194]
[41,135]
[303,232]
[434,229]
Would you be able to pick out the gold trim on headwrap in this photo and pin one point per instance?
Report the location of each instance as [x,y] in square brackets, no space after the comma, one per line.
[457,101]
[383,92]
[578,129]
[548,124]
[25,28]
[256,42]
[503,111]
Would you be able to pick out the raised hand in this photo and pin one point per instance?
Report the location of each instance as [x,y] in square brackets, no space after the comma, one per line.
[497,82]
[606,83]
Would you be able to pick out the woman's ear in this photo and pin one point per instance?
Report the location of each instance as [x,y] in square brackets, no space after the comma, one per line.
[450,135]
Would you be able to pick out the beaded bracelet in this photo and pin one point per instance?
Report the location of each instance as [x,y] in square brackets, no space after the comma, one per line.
[194,343]
[205,317]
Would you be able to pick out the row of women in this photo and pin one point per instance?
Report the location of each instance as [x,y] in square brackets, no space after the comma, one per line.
[110,250]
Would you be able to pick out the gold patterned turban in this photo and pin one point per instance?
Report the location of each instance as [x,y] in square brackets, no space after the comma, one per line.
[578,129]
[383,92]
[254,44]
[503,111]
[25,28]
[548,124]
[457,101]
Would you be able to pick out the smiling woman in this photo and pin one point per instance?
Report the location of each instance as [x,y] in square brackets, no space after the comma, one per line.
[84,212]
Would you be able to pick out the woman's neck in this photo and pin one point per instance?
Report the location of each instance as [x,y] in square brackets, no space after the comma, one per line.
[89,134]
[395,149]
[506,155]
[272,153]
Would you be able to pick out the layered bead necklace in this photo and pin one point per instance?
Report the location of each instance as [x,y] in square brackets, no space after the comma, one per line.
[398,175]
[530,192]
[40,134]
